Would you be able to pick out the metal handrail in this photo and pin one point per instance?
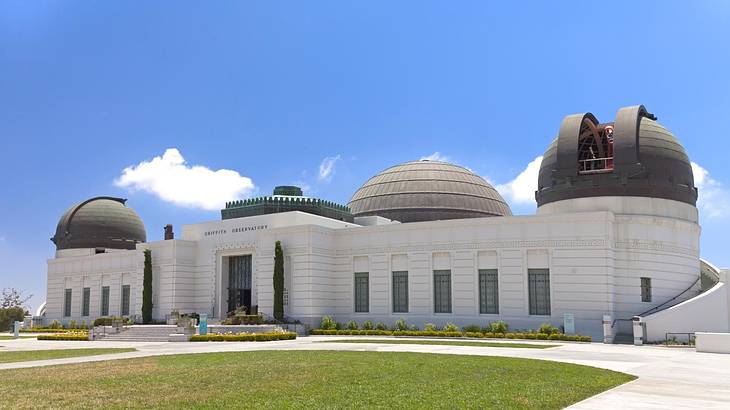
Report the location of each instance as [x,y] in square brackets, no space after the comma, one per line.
[678,295]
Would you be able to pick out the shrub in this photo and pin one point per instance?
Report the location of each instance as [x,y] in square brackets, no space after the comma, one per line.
[50,330]
[367,325]
[65,336]
[328,323]
[55,325]
[471,329]
[548,329]
[498,327]
[400,324]
[244,337]
[381,326]
[83,325]
[106,320]
[413,328]
[352,325]
[72,324]
[430,327]
[450,327]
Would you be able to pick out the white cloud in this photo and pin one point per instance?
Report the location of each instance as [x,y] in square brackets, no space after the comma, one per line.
[713,199]
[327,168]
[436,156]
[521,190]
[195,186]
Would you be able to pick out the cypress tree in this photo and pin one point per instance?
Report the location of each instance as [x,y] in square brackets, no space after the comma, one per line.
[147,288]
[278,282]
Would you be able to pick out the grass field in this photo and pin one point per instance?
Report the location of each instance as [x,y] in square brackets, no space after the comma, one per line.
[28,355]
[3,337]
[442,342]
[307,380]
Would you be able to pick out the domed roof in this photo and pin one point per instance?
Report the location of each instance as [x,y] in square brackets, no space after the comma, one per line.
[633,156]
[101,222]
[427,191]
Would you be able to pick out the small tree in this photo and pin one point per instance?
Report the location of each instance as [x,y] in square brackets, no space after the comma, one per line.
[147,288]
[12,297]
[278,282]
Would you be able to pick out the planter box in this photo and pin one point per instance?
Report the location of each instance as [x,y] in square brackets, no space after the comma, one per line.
[712,342]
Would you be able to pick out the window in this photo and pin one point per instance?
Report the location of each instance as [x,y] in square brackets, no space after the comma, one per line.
[442,291]
[539,291]
[105,300]
[646,289]
[361,292]
[85,302]
[400,292]
[488,291]
[67,303]
[125,300]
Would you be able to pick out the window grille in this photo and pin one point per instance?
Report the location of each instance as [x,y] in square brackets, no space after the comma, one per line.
[442,291]
[362,292]
[488,291]
[539,291]
[400,292]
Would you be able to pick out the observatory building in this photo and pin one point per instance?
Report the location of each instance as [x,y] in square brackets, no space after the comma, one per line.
[615,236]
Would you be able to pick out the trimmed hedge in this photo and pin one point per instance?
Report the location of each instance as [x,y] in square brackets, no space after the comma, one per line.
[66,336]
[49,330]
[441,333]
[244,337]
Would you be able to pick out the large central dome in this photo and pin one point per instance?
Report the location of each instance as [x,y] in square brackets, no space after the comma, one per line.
[427,191]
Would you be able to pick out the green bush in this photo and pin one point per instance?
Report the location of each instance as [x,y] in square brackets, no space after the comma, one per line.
[498,327]
[430,327]
[367,325]
[400,324]
[328,323]
[72,324]
[106,320]
[74,336]
[471,329]
[244,337]
[548,329]
[450,327]
[55,325]
[381,326]
[352,325]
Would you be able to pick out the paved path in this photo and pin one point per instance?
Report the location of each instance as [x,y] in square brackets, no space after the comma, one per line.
[668,377]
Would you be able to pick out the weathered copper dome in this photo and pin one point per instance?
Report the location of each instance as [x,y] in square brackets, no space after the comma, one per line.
[427,191]
[633,156]
[101,222]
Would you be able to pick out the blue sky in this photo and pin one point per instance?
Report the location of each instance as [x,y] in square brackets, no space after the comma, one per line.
[243,96]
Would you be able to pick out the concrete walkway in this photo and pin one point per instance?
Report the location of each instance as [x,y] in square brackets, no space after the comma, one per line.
[668,377]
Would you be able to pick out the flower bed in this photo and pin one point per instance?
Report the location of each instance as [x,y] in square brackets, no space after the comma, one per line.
[50,330]
[439,333]
[244,337]
[66,336]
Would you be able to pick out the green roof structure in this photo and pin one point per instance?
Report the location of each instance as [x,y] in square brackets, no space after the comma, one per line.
[286,199]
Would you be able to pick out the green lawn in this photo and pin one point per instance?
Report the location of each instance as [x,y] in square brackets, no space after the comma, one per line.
[442,342]
[307,380]
[3,337]
[28,355]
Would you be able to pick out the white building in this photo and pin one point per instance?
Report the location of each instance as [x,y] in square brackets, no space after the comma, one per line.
[616,234]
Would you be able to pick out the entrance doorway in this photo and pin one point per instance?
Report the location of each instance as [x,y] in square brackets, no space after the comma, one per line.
[239,282]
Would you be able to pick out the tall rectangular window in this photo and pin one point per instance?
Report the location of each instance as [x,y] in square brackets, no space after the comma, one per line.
[539,291]
[67,303]
[442,291]
[85,302]
[125,300]
[105,301]
[646,289]
[362,296]
[488,291]
[400,292]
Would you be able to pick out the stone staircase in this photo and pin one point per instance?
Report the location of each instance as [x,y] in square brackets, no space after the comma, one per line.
[140,333]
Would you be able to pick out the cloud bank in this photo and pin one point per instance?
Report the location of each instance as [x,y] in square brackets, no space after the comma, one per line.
[436,156]
[521,190]
[713,198]
[327,168]
[171,179]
